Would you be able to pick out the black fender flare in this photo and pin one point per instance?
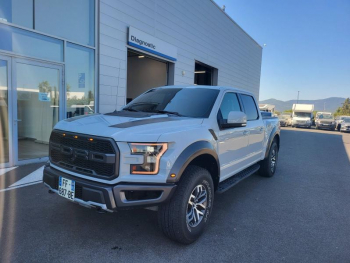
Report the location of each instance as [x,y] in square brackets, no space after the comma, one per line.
[189,154]
[274,133]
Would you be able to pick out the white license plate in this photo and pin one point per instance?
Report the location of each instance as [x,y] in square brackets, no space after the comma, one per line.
[66,188]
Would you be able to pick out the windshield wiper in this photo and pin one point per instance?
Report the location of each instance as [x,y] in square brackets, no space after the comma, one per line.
[168,112]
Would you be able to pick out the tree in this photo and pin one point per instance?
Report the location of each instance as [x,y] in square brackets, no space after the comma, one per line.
[288,111]
[45,87]
[344,109]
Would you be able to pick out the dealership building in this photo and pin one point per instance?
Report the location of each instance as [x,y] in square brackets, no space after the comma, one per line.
[64,58]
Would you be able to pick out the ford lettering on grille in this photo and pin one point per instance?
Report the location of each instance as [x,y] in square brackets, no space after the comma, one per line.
[97,157]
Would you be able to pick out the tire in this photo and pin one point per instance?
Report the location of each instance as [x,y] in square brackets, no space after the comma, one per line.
[172,217]
[267,166]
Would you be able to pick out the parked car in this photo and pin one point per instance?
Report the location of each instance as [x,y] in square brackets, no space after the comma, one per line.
[169,150]
[345,125]
[325,120]
[285,120]
[302,115]
[339,120]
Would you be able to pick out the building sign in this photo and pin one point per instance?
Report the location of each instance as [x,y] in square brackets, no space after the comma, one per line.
[81,79]
[151,44]
[43,96]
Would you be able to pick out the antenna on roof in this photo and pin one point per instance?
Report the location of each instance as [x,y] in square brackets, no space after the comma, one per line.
[223,8]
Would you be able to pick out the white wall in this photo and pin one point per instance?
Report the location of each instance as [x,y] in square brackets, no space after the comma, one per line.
[200,30]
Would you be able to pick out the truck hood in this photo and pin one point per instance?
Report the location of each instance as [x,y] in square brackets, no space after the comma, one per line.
[127,128]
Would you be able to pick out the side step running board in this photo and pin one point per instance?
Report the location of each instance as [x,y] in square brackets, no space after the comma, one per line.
[233,180]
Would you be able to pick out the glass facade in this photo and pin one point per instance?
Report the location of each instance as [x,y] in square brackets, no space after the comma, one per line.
[47,48]
[80,80]
[4,127]
[30,44]
[73,20]
[37,108]
[19,12]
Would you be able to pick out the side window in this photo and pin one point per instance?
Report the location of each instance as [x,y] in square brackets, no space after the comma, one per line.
[250,107]
[229,103]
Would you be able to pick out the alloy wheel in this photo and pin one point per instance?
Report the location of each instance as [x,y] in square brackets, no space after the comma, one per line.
[197,206]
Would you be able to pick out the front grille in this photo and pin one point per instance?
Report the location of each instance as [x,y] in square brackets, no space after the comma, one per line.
[88,155]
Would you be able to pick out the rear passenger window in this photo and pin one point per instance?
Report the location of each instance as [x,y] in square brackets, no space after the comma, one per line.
[250,107]
[229,103]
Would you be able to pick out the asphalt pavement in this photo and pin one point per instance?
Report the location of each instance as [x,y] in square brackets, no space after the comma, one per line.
[302,214]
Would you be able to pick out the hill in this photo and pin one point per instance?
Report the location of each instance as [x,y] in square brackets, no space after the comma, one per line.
[329,104]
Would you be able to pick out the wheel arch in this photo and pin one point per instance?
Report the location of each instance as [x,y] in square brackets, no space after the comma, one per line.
[275,135]
[202,154]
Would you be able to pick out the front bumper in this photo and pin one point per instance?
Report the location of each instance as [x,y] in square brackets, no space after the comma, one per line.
[345,129]
[326,126]
[302,124]
[111,197]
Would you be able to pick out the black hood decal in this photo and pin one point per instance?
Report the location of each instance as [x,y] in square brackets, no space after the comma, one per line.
[145,122]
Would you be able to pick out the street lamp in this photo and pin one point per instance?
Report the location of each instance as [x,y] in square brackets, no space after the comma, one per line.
[298,97]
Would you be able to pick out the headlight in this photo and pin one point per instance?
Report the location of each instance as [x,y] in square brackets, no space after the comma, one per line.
[152,153]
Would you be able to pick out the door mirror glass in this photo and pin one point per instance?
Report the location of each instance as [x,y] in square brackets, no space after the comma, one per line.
[235,119]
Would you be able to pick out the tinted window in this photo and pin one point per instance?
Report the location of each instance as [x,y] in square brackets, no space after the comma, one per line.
[30,44]
[19,12]
[189,102]
[229,103]
[250,107]
[73,20]
[80,80]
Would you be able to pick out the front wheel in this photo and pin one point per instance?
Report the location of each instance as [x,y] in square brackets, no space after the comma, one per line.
[185,217]
[269,164]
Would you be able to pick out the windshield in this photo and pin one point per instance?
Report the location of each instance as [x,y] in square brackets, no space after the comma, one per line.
[347,120]
[302,114]
[327,117]
[179,101]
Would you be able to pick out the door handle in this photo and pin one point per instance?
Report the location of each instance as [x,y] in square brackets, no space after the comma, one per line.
[261,129]
[17,120]
[246,132]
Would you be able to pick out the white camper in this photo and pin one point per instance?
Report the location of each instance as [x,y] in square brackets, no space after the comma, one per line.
[302,115]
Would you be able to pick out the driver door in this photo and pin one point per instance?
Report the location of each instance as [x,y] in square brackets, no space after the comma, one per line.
[233,142]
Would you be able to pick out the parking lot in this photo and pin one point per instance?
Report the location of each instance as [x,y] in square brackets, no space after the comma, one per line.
[302,214]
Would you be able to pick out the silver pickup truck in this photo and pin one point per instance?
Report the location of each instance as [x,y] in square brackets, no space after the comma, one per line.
[169,150]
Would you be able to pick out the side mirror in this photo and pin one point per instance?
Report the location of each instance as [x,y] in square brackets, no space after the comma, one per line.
[235,119]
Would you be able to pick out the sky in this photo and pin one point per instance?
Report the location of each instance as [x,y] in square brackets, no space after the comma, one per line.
[307,45]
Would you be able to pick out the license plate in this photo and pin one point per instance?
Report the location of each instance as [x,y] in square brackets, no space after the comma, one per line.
[66,188]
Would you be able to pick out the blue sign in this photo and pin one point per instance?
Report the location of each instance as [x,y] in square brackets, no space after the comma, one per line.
[81,78]
[43,96]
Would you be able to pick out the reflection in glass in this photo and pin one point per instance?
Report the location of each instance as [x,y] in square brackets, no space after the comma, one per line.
[4,128]
[19,12]
[73,20]
[80,80]
[37,108]
[30,44]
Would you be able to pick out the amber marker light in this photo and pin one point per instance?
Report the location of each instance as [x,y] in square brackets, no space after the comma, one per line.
[75,137]
[63,134]
[91,139]
[173,175]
